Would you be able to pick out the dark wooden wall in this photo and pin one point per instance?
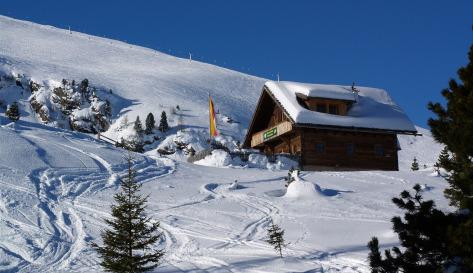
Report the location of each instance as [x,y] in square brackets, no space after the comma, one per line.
[277,116]
[287,144]
[335,150]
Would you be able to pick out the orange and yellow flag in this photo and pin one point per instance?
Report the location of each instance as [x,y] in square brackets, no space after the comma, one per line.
[213,123]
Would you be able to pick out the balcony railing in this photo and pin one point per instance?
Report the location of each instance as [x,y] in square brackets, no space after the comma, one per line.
[270,133]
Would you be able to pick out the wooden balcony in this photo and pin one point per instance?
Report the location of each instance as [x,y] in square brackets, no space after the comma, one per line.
[270,133]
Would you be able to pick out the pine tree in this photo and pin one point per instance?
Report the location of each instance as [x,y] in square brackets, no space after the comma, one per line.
[276,238]
[453,127]
[138,127]
[84,88]
[128,242]
[163,123]
[432,240]
[135,142]
[13,113]
[422,234]
[150,124]
[415,165]
[444,158]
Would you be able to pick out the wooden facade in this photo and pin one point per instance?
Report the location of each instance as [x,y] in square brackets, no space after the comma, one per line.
[328,149]
[273,132]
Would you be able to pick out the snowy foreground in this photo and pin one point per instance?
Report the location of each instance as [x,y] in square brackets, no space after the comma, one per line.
[56,188]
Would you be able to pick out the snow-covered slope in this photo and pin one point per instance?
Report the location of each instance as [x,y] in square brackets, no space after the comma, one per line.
[148,80]
[56,186]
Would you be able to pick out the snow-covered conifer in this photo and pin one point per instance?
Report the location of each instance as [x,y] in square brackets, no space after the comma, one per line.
[137,126]
[163,123]
[444,158]
[13,113]
[131,234]
[150,123]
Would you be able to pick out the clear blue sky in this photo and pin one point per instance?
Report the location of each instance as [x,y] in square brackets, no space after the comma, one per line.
[410,48]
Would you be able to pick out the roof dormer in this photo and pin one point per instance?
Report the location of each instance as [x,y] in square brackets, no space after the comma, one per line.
[325,105]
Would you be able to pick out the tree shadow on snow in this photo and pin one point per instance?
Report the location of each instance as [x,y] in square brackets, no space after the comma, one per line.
[331,192]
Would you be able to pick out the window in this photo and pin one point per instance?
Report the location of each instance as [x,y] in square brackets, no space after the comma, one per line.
[320,148]
[321,107]
[379,150]
[350,149]
[333,109]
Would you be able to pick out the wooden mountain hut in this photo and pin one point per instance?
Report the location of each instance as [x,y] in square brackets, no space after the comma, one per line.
[329,127]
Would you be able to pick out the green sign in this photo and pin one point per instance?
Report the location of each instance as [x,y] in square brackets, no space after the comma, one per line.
[270,133]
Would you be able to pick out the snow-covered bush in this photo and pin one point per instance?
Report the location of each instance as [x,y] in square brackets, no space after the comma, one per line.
[191,141]
[261,161]
[13,113]
[69,105]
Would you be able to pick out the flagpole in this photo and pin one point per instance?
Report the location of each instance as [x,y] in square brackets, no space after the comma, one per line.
[210,120]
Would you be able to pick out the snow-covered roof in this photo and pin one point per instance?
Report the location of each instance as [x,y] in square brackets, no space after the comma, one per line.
[326,91]
[373,108]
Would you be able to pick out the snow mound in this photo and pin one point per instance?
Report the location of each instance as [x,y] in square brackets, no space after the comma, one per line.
[303,189]
[218,158]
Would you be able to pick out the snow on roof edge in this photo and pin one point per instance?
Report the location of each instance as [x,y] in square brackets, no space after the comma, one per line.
[373,110]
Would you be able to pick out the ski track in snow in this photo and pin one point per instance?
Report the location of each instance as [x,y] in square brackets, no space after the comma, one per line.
[68,208]
[56,194]
[186,254]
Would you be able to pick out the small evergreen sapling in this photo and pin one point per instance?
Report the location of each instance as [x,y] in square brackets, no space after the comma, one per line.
[276,238]
[137,143]
[163,123]
[124,122]
[150,124]
[13,113]
[129,240]
[444,158]
[415,165]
